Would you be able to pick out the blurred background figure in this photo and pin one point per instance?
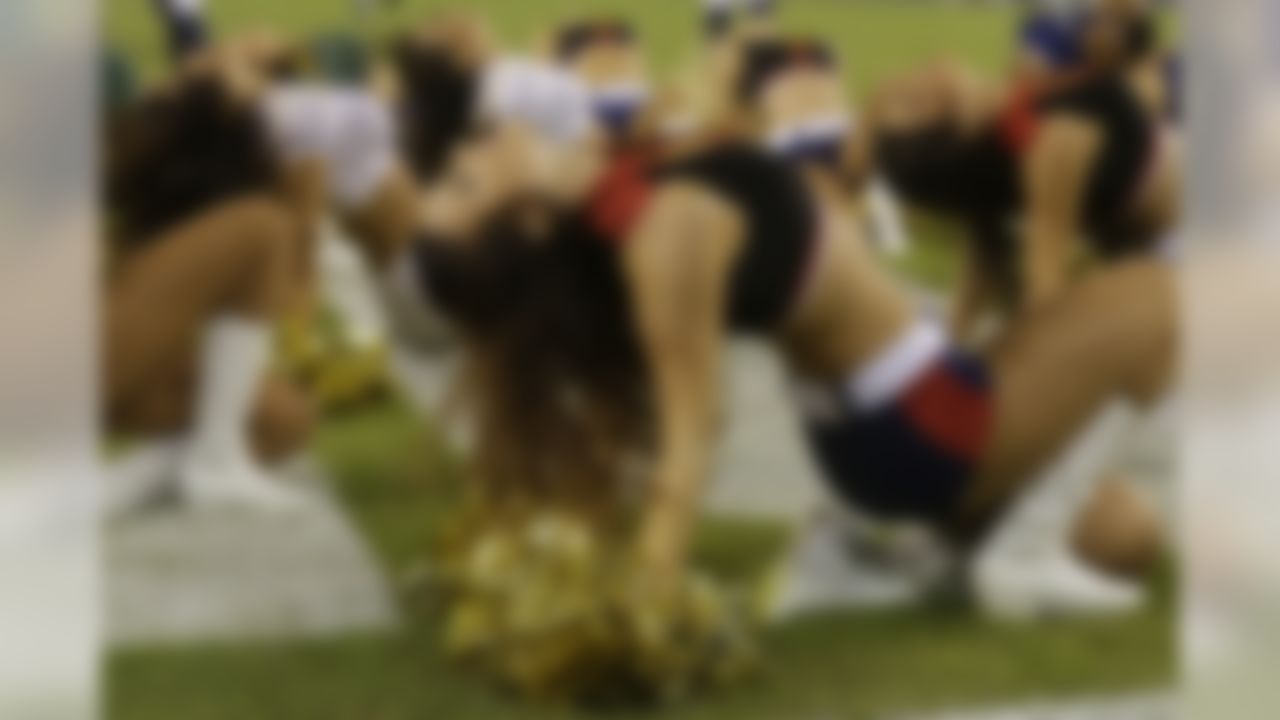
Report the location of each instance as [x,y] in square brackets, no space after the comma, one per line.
[793,89]
[185,25]
[719,15]
[1037,174]
[1048,38]
[608,55]
[204,254]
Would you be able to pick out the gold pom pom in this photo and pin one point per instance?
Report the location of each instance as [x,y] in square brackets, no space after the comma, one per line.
[540,605]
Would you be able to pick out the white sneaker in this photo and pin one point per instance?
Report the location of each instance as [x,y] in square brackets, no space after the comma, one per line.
[140,477]
[845,563]
[1028,568]
[204,484]
[1055,584]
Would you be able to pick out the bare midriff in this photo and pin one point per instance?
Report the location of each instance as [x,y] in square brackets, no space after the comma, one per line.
[848,309]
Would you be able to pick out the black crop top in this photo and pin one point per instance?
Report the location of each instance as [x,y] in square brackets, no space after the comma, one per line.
[781,228]
[1122,160]
[980,179]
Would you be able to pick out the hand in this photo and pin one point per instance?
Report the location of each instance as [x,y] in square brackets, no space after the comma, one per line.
[658,562]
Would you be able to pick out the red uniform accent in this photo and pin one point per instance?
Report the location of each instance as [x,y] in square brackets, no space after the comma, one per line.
[1019,121]
[1021,116]
[951,412]
[622,195]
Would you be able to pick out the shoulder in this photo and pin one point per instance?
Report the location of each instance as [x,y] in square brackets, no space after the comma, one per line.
[686,229]
[691,203]
[1065,137]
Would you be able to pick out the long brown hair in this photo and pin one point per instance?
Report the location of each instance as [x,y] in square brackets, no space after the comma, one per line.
[554,380]
[438,106]
[176,154]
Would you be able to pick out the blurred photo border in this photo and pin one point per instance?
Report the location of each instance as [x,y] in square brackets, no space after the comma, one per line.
[49,556]
[1230,444]
[50,584]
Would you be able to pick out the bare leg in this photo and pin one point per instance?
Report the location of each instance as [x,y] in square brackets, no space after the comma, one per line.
[282,421]
[280,426]
[1068,382]
[1111,337]
[209,291]
[232,259]
[1118,532]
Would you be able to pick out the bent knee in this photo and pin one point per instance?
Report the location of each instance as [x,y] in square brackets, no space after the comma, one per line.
[1119,532]
[263,226]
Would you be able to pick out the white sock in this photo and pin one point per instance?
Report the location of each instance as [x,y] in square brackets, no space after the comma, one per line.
[1049,507]
[234,354]
[219,467]
[1028,568]
[841,560]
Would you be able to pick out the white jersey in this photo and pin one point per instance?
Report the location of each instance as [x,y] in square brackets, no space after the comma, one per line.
[553,101]
[348,129]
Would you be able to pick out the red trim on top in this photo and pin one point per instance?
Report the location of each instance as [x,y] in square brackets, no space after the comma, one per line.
[952,413]
[1020,120]
[622,195]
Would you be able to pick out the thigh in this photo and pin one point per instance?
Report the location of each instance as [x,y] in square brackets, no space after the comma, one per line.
[158,301]
[160,407]
[1110,338]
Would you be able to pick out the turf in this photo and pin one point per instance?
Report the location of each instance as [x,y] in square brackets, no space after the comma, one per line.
[397,478]
[393,472]
[877,37]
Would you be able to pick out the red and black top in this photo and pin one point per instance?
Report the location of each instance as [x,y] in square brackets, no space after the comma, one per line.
[1128,144]
[776,207]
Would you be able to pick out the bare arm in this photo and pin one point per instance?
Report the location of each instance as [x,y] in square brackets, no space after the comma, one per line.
[677,267]
[1056,173]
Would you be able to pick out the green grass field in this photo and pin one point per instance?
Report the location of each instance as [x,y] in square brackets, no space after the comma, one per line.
[397,478]
[877,36]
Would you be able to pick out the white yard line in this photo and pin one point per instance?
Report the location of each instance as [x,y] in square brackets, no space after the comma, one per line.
[176,576]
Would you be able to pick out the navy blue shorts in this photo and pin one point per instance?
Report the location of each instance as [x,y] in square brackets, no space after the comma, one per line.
[916,457]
